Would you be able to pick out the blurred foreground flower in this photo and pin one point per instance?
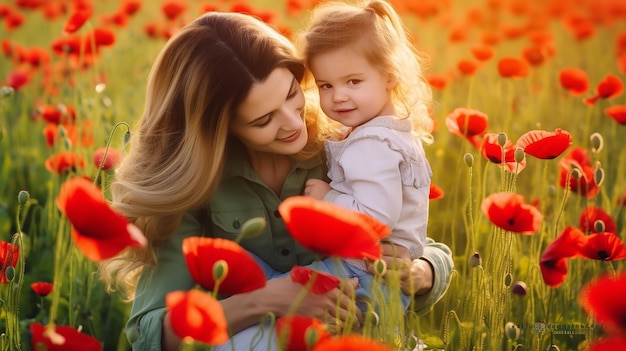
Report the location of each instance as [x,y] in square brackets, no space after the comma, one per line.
[8,258]
[65,161]
[197,315]
[242,273]
[98,231]
[332,230]
[61,338]
[603,299]
[112,159]
[510,212]
[299,333]
[351,342]
[322,282]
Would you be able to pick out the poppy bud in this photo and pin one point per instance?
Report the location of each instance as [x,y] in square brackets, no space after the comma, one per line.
[9,273]
[252,227]
[468,159]
[220,270]
[501,139]
[475,260]
[597,142]
[599,226]
[519,288]
[508,279]
[511,331]
[6,91]
[575,173]
[553,348]
[22,197]
[126,140]
[380,267]
[311,337]
[519,155]
[598,176]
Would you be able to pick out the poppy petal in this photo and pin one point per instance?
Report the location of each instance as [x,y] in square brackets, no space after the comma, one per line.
[322,282]
[297,333]
[553,262]
[197,315]
[71,339]
[603,299]
[543,144]
[510,212]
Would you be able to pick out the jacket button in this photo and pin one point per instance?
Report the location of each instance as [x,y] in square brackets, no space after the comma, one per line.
[284,252]
[236,224]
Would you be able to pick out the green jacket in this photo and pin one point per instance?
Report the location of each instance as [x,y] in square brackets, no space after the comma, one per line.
[240,196]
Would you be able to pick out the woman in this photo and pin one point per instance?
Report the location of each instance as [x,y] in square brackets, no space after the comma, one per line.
[225,136]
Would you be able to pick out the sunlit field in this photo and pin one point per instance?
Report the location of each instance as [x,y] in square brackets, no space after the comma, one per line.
[529,168]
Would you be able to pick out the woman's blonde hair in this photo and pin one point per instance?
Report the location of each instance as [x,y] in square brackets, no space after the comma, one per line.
[178,147]
[381,36]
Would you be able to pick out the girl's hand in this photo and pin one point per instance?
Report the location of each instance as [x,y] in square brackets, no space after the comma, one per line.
[316,188]
[416,276]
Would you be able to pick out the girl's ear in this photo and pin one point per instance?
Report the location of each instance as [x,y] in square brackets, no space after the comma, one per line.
[392,81]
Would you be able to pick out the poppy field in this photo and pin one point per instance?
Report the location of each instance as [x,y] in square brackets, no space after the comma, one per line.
[528,186]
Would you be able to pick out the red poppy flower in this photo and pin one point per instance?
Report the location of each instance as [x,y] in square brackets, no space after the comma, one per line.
[553,262]
[9,254]
[467,67]
[66,161]
[435,192]
[543,144]
[512,67]
[617,112]
[510,212]
[482,52]
[42,289]
[332,230]
[609,87]
[322,282]
[130,7]
[604,247]
[437,81]
[603,299]
[593,214]
[98,231]
[535,55]
[77,19]
[172,9]
[609,343]
[197,315]
[299,333]
[578,158]
[50,113]
[493,152]
[468,123]
[243,273]
[16,79]
[61,338]
[575,80]
[351,342]
[113,158]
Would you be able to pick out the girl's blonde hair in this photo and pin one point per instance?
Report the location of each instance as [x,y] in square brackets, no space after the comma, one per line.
[378,31]
[178,147]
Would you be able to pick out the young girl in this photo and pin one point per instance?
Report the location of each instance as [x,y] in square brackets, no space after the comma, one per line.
[370,80]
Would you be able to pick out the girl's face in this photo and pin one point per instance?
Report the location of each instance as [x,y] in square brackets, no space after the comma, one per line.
[352,91]
[270,119]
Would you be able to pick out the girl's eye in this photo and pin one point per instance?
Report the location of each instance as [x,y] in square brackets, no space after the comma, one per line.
[325,86]
[353,82]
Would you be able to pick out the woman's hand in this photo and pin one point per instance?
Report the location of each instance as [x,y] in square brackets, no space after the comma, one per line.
[335,308]
[416,276]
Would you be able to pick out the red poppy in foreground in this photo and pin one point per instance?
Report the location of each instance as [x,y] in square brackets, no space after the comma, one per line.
[322,282]
[543,144]
[575,80]
[611,86]
[98,231]
[604,247]
[243,273]
[603,299]
[299,333]
[583,182]
[61,338]
[493,152]
[332,230]
[617,112]
[197,315]
[468,123]
[42,289]
[510,212]
[553,262]
[351,342]
[591,215]
[8,258]
[435,192]
[610,343]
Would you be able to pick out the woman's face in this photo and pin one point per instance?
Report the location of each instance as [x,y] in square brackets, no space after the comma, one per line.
[270,118]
